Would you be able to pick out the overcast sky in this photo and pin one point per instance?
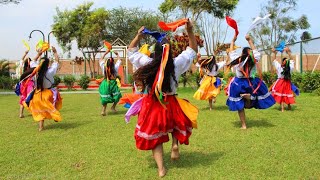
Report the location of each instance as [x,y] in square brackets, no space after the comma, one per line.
[17,21]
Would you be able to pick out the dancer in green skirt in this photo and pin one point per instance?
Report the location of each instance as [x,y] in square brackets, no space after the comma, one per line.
[109,90]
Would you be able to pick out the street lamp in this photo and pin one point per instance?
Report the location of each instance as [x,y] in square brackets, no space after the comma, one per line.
[43,38]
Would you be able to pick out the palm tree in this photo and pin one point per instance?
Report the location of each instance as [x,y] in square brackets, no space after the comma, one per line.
[4,68]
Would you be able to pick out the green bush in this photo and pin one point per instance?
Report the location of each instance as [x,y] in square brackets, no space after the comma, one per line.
[316,92]
[310,81]
[84,82]
[99,76]
[69,81]
[296,79]
[269,78]
[57,80]
[130,79]
[7,83]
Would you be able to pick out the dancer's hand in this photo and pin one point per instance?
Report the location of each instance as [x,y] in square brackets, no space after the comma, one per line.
[189,25]
[248,38]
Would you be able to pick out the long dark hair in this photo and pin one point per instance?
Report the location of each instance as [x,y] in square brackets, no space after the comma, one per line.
[286,68]
[109,70]
[42,72]
[248,65]
[146,75]
[26,64]
[26,73]
[208,66]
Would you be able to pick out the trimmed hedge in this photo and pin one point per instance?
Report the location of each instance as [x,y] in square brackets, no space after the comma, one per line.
[7,83]
[69,81]
[84,82]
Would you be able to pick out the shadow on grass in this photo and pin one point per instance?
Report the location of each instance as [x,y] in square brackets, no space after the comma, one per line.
[189,159]
[66,125]
[215,108]
[255,123]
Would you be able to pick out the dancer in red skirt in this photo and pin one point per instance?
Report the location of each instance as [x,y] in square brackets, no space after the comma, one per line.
[283,90]
[161,112]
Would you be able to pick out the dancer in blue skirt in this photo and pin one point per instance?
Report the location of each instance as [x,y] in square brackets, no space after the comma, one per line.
[245,90]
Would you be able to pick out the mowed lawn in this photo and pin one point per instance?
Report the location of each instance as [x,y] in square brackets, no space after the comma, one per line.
[86,145]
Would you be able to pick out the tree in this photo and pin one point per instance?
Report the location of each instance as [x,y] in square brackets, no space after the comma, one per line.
[194,8]
[4,68]
[9,1]
[85,26]
[208,16]
[281,27]
[124,23]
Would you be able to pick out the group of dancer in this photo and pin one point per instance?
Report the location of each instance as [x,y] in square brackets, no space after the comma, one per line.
[159,109]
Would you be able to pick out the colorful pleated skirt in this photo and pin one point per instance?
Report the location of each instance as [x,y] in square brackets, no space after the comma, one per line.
[45,105]
[261,99]
[209,88]
[155,122]
[109,92]
[283,91]
[25,88]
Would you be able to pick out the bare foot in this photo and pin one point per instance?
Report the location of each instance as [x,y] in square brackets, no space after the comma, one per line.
[175,152]
[243,127]
[162,172]
[21,116]
[210,109]
[40,129]
[282,109]
[289,107]
[103,113]
[113,110]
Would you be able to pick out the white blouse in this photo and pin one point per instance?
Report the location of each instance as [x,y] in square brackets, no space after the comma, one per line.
[279,69]
[234,55]
[48,80]
[181,63]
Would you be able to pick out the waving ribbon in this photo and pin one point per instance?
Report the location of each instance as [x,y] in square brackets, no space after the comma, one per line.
[107,45]
[43,46]
[281,46]
[157,85]
[26,45]
[232,23]
[157,35]
[145,50]
[173,25]
[257,21]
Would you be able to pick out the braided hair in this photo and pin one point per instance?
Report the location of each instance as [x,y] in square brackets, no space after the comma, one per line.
[286,68]
[44,65]
[249,63]
[146,74]
[109,70]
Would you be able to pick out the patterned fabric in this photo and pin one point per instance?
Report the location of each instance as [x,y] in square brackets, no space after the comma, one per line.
[109,92]
[262,99]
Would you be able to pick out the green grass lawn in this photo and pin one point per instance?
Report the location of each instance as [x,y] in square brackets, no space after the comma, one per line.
[86,145]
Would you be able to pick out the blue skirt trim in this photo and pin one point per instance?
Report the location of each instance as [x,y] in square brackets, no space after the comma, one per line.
[262,99]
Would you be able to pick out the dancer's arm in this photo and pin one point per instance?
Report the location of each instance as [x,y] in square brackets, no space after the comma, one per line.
[134,43]
[192,39]
[55,53]
[248,38]
[24,55]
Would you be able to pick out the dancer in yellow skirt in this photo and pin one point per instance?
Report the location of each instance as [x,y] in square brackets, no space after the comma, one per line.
[46,101]
[210,84]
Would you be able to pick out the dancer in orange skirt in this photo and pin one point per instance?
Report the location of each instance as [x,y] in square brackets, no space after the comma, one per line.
[160,111]
[283,90]
[46,101]
[210,84]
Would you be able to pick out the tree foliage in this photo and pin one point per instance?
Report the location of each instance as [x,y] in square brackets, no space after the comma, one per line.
[85,26]
[124,22]
[281,27]
[194,8]
[10,1]
[207,15]
[4,68]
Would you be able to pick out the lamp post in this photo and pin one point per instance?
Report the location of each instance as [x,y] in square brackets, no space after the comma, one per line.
[43,38]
